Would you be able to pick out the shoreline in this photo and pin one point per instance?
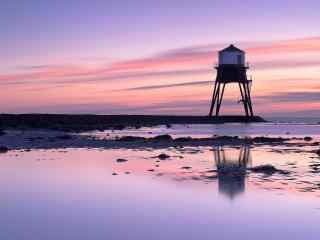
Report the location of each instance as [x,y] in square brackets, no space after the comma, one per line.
[87,122]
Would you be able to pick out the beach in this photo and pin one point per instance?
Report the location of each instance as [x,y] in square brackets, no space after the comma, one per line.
[160,120]
[188,179]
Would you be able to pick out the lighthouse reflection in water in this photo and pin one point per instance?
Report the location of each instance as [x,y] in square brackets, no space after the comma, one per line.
[231,168]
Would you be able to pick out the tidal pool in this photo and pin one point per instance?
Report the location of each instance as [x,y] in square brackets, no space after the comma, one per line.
[88,194]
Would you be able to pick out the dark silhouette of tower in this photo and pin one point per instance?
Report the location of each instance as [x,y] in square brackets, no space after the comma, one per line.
[232,69]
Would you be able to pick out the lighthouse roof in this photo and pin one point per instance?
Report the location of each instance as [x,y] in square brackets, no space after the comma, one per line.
[232,48]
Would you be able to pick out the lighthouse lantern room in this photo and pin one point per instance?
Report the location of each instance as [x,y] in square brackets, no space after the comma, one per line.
[231,55]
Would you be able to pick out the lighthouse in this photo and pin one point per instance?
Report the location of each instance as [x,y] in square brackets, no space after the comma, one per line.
[232,69]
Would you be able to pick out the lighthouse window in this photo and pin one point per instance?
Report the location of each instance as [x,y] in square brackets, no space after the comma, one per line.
[239,59]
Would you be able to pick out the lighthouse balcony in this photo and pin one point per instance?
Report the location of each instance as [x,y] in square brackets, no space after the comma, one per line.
[231,73]
[245,66]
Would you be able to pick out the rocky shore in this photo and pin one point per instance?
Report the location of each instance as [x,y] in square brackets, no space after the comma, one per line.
[49,139]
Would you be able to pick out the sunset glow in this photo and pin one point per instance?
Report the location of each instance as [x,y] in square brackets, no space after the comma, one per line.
[95,64]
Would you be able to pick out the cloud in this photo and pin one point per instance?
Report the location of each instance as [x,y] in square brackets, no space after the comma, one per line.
[281,64]
[196,59]
[183,84]
[207,54]
[139,75]
[111,77]
[40,67]
[287,46]
[290,97]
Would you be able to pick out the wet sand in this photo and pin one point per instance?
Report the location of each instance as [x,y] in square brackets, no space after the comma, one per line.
[167,182]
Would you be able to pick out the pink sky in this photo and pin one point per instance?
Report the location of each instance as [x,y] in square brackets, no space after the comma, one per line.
[156,57]
[176,81]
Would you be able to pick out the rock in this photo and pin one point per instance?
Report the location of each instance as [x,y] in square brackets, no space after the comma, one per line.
[183,139]
[211,177]
[226,138]
[121,160]
[211,171]
[168,125]
[130,139]
[318,152]
[150,170]
[307,139]
[193,151]
[119,127]
[3,149]
[186,167]
[267,169]
[64,137]
[114,174]
[163,156]
[195,178]
[268,139]
[127,173]
[32,139]
[2,132]
[315,167]
[165,137]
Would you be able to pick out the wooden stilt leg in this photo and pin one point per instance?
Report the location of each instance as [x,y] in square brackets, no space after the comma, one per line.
[220,100]
[217,99]
[217,96]
[243,96]
[213,99]
[249,100]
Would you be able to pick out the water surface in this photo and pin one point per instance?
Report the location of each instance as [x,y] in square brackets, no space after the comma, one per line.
[73,194]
